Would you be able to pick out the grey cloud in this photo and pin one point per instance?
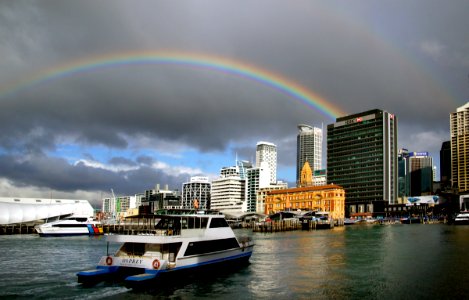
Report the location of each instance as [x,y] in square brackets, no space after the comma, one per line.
[121,161]
[57,174]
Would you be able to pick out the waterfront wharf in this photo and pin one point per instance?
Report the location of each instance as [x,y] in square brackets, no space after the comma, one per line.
[293,224]
[17,229]
[147,226]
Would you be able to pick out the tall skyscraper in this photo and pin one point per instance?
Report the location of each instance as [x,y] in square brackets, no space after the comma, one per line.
[362,158]
[308,148]
[459,127]
[445,165]
[267,153]
[419,173]
[198,188]
[403,188]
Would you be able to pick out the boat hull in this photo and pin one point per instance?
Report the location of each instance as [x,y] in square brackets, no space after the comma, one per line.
[217,266]
[144,278]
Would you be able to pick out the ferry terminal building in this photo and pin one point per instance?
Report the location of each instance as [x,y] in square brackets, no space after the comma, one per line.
[306,197]
[326,198]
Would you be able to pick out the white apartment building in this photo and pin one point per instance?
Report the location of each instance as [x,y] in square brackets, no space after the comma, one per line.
[228,194]
[266,153]
[256,178]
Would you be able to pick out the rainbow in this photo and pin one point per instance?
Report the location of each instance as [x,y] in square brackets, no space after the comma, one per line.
[203,61]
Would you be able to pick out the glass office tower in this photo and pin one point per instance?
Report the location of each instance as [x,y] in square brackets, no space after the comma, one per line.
[362,158]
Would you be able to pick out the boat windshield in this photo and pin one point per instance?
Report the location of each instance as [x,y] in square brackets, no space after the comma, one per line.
[182,222]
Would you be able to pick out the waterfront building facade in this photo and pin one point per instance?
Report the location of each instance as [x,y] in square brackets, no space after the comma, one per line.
[19,210]
[198,188]
[308,148]
[362,158]
[459,127]
[262,194]
[266,156]
[328,198]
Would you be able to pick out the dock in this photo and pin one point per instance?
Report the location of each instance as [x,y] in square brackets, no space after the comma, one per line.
[17,229]
[289,225]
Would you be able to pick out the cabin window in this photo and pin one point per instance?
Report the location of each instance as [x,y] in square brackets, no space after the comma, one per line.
[38,200]
[193,222]
[202,247]
[172,225]
[218,222]
[137,249]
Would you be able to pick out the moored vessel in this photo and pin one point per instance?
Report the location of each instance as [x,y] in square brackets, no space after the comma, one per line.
[73,225]
[181,241]
[462,218]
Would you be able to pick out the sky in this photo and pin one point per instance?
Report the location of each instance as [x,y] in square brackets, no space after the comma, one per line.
[124,95]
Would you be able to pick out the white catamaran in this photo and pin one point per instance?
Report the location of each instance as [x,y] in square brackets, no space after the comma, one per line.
[182,240]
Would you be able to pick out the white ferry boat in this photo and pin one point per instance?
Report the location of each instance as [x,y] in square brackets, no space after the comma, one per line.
[182,241]
[462,218]
[73,225]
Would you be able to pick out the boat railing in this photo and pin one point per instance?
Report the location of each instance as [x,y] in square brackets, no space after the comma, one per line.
[156,232]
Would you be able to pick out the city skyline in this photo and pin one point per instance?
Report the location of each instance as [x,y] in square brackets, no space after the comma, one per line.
[96,97]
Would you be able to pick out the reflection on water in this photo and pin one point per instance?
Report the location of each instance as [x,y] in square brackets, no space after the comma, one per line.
[367,262]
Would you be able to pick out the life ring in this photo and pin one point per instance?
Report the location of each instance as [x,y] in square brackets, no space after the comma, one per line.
[108,260]
[156,264]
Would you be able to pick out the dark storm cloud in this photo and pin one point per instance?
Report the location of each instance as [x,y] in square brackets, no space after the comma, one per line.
[354,54]
[57,174]
[121,161]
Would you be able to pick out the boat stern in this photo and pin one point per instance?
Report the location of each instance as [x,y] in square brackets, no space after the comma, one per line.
[92,277]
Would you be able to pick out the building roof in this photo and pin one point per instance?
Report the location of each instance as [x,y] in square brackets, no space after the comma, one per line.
[306,189]
[24,210]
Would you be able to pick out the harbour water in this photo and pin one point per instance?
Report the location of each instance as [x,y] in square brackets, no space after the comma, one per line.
[419,261]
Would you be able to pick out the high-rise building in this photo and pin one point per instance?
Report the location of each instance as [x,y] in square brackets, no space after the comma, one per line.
[198,188]
[161,198]
[403,189]
[228,192]
[459,127]
[362,158]
[267,153]
[445,165]
[308,148]
[419,173]
[257,178]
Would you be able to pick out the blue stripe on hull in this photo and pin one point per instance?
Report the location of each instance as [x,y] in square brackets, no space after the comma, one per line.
[143,281]
[63,234]
[246,255]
